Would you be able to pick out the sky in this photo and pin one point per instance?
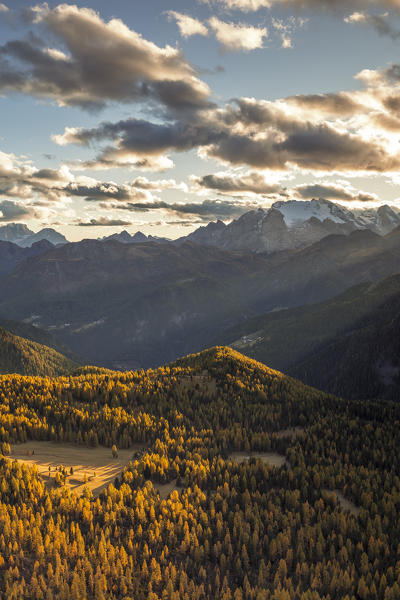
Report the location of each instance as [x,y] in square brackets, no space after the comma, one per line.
[162,116]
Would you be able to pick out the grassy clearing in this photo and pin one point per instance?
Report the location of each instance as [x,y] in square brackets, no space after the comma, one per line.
[271,458]
[92,467]
[292,432]
[165,489]
[345,504]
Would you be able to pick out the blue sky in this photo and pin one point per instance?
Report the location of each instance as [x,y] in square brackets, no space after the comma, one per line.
[91,157]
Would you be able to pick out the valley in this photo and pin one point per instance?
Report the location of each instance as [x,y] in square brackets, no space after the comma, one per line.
[134,305]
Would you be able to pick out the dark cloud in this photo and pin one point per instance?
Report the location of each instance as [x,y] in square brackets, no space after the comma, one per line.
[317,147]
[259,134]
[104,222]
[253,182]
[12,211]
[340,104]
[381,23]
[207,210]
[333,192]
[101,191]
[96,62]
[392,73]
[18,179]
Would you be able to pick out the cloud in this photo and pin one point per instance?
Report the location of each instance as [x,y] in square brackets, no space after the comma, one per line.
[286,29]
[142,183]
[3,8]
[100,191]
[252,183]
[20,179]
[103,62]
[264,135]
[188,26]
[381,23]
[242,5]
[349,132]
[334,104]
[205,211]
[47,187]
[334,192]
[330,5]
[14,211]
[140,189]
[238,37]
[138,143]
[104,222]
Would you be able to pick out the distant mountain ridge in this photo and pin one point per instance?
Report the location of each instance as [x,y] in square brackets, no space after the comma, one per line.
[20,234]
[292,224]
[287,225]
[137,238]
[139,305]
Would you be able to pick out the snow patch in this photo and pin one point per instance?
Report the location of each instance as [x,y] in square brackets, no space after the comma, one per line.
[296,212]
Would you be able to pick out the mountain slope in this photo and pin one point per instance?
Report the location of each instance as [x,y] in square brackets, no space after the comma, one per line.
[138,305]
[11,254]
[363,362]
[282,338]
[36,334]
[347,345]
[131,304]
[18,355]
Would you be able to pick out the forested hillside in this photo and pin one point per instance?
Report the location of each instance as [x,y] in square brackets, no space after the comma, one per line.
[348,345]
[230,529]
[19,355]
[36,334]
[363,362]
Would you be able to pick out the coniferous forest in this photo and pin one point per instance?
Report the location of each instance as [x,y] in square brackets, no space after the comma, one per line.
[229,530]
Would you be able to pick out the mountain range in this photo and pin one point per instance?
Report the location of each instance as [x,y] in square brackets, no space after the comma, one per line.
[138,238]
[293,224]
[20,234]
[126,304]
[134,305]
[286,225]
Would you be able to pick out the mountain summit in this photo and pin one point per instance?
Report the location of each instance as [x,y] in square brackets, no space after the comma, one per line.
[292,224]
[20,234]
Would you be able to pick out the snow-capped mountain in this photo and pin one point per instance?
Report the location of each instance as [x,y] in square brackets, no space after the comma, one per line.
[292,224]
[296,212]
[382,220]
[20,234]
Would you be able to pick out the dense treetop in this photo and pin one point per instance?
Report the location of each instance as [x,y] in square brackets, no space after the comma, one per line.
[26,357]
[230,531]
